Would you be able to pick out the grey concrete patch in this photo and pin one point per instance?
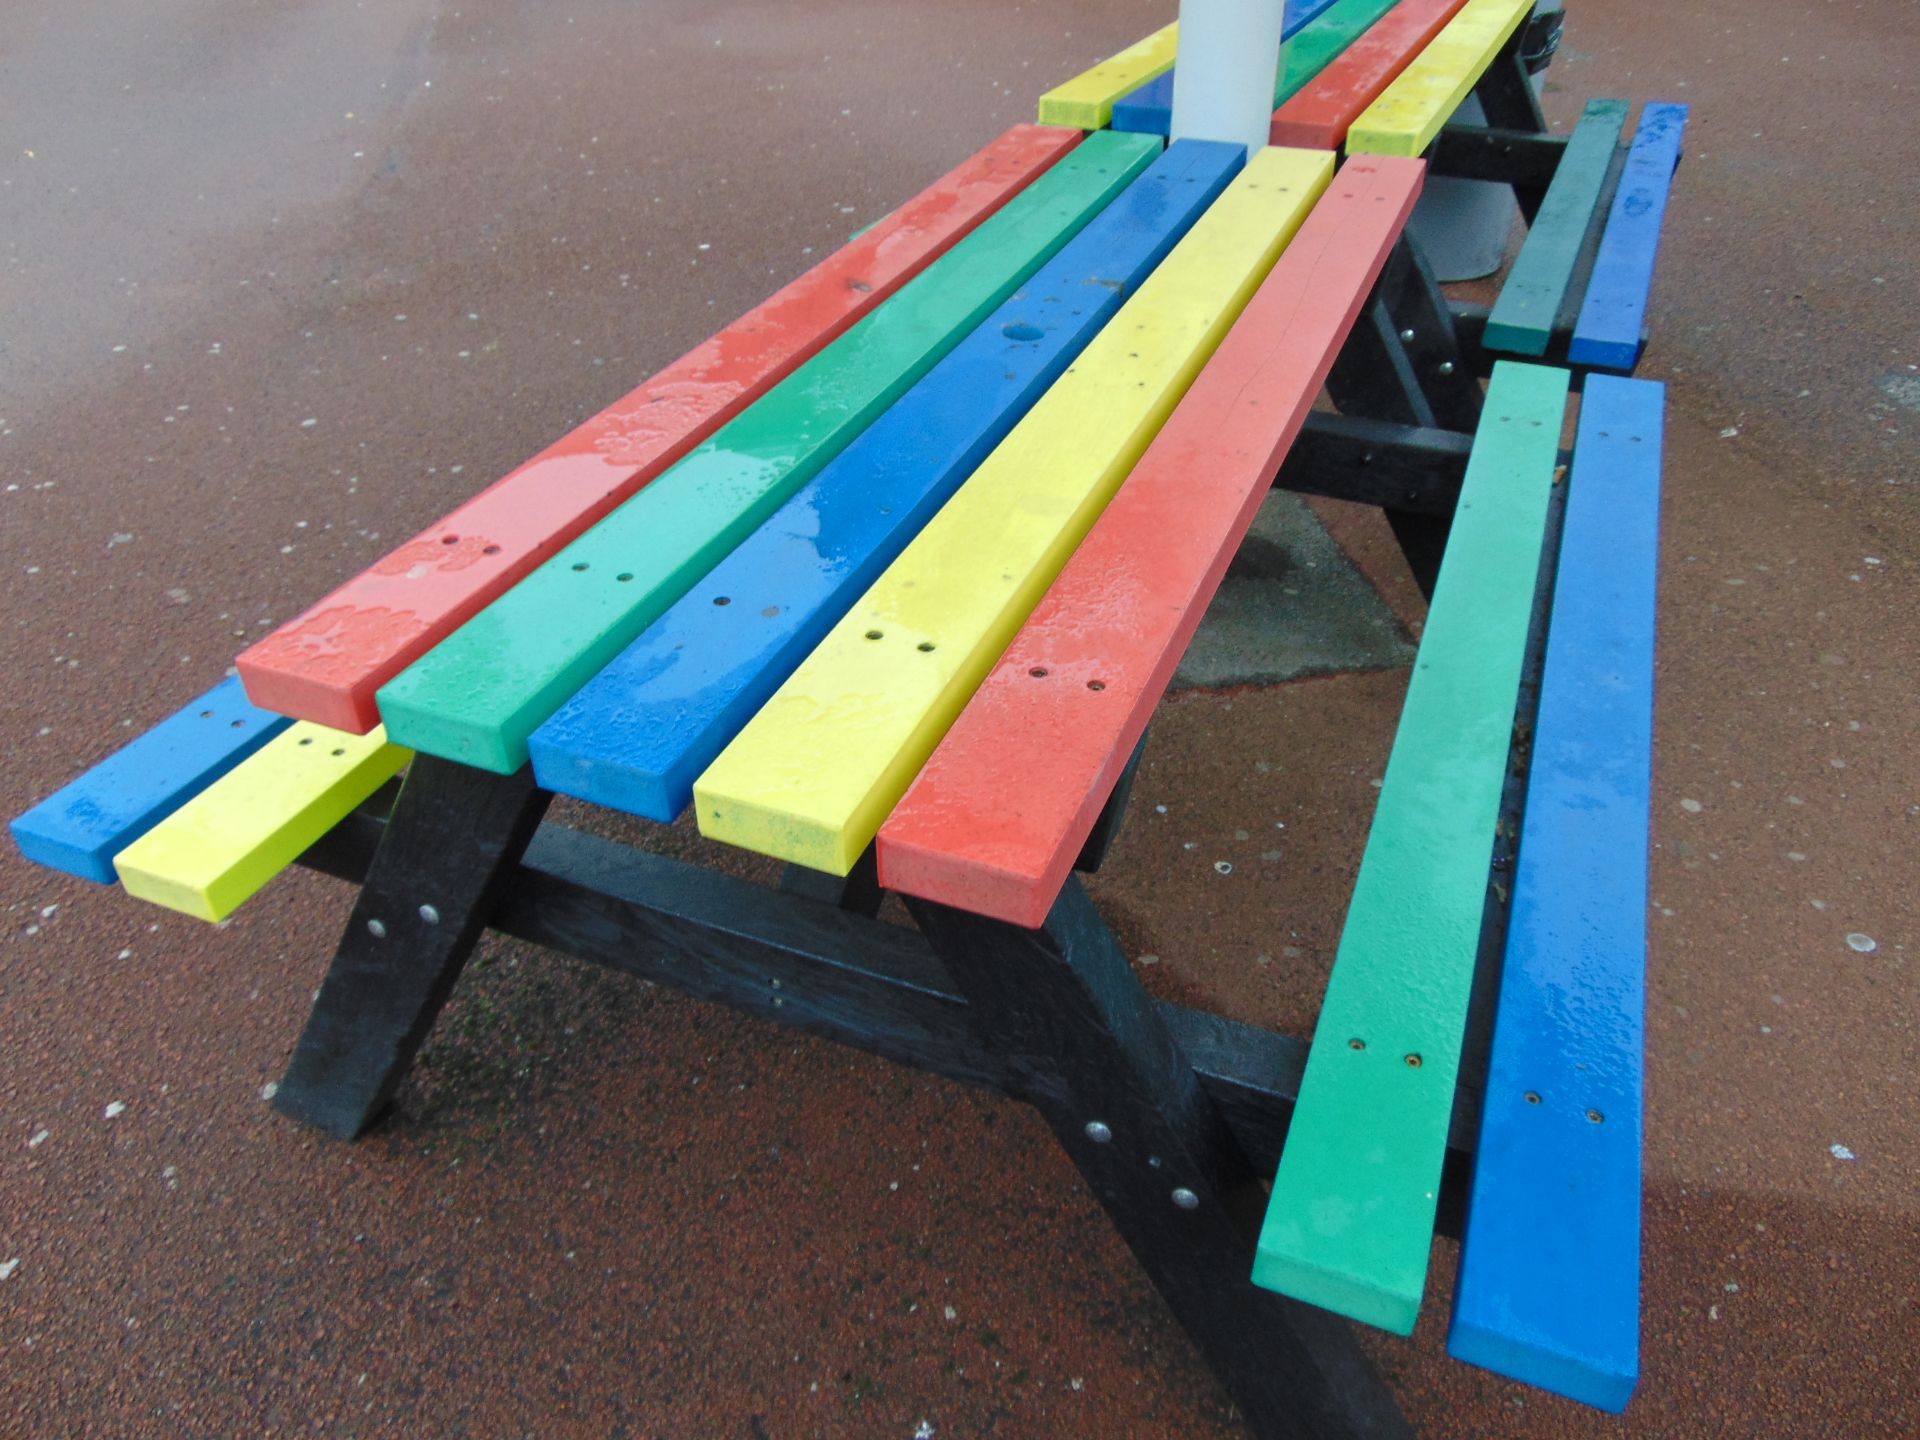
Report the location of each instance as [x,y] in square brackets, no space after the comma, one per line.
[1292,605]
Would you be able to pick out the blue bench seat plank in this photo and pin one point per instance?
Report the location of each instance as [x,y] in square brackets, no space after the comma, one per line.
[1148,110]
[1613,315]
[1549,1285]
[637,736]
[81,828]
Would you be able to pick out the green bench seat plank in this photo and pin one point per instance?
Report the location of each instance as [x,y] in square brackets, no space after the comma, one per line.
[1523,317]
[1349,1224]
[478,695]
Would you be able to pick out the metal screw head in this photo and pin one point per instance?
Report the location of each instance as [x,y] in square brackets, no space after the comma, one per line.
[429,914]
[1446,367]
[1098,1132]
[1406,334]
[377,929]
[1186,1199]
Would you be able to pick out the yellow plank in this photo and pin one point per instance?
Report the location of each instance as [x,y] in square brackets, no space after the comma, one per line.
[1410,111]
[237,834]
[813,775]
[1087,99]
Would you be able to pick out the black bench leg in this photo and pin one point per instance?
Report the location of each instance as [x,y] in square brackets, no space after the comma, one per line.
[449,849]
[1505,92]
[858,891]
[1090,1052]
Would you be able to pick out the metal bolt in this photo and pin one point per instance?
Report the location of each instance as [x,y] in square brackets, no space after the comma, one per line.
[429,914]
[1446,367]
[1406,334]
[1186,1199]
[1098,1132]
[377,929]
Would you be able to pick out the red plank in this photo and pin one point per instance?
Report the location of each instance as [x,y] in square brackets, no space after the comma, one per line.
[326,665]
[996,817]
[1317,116]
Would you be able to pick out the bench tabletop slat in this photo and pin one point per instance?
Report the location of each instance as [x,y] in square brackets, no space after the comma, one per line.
[217,850]
[1320,113]
[997,816]
[812,776]
[1410,111]
[1614,312]
[477,696]
[1349,1224]
[326,664]
[1311,35]
[637,735]
[1087,99]
[1549,1286]
[1523,316]
[80,828]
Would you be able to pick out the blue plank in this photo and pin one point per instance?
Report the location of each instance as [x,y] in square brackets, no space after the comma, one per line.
[1614,314]
[81,828]
[1149,109]
[636,736]
[1549,1286]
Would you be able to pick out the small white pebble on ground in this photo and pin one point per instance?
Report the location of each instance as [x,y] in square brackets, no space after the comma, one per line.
[924,1430]
[1077,1383]
[1865,944]
[7,1267]
[114,1109]
[1692,807]
[39,1138]
[1225,867]
[1841,1152]
[951,1313]
[1729,432]
[269,1090]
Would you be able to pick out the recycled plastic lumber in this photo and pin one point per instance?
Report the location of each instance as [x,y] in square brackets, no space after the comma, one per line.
[996,818]
[1614,313]
[478,695]
[327,664]
[812,776]
[1086,101]
[1314,35]
[1549,1283]
[1522,322]
[1317,116]
[635,737]
[1349,1223]
[79,829]
[218,849]
[1410,111]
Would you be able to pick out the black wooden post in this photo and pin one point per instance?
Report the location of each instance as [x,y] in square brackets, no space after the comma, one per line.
[1088,1048]
[859,890]
[445,858]
[1505,92]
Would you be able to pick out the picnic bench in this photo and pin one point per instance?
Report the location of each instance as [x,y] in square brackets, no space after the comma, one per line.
[886,581]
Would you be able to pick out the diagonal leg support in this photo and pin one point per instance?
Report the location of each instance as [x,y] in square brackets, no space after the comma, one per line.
[444,861]
[1089,1050]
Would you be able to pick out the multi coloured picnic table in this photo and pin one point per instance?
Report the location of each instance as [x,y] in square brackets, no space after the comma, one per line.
[886,580]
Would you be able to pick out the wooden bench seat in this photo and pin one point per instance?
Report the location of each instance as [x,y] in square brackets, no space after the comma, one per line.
[1321,112]
[1610,328]
[635,737]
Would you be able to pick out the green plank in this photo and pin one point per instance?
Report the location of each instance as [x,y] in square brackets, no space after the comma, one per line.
[478,695]
[1350,1222]
[1523,316]
[1320,43]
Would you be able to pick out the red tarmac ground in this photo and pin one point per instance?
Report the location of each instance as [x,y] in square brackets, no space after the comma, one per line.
[282,283]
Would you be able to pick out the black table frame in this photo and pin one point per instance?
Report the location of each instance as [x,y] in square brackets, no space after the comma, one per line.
[1175,1117]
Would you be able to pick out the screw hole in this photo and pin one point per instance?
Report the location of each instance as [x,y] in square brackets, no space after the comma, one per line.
[1533,1097]
[1096,684]
[1595,1116]
[449,539]
[206,714]
[926,647]
[491,550]
[236,724]
[875,634]
[306,740]
[1414,1061]
[1356,1043]
[579,566]
[624,576]
[1038,672]
[723,599]
[339,752]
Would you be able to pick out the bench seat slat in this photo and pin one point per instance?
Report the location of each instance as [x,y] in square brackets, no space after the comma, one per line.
[994,822]
[1524,315]
[1410,111]
[1312,34]
[1086,101]
[80,828]
[1319,114]
[1614,312]
[1349,1224]
[477,696]
[815,772]
[327,664]
[636,736]
[222,846]
[1549,1286]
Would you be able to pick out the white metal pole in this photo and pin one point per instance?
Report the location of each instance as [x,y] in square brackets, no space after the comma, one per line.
[1224,74]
